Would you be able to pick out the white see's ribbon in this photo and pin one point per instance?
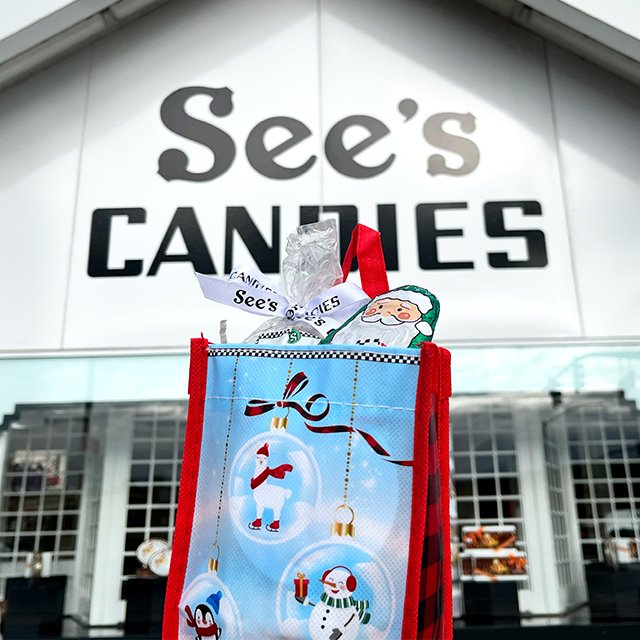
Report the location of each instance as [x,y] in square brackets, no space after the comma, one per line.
[247,288]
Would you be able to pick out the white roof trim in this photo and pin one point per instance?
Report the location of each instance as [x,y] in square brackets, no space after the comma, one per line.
[594,36]
[38,33]
[610,23]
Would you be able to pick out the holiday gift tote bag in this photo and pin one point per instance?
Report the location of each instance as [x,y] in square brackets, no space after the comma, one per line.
[314,495]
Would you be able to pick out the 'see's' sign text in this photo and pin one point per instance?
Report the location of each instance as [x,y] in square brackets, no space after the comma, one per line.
[173,165]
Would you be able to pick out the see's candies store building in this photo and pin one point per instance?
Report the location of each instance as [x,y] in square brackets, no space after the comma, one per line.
[494,145]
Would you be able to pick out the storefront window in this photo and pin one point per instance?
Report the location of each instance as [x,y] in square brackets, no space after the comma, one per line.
[545,446]
[157,444]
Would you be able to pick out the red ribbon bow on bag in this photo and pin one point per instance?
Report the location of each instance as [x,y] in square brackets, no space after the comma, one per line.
[293,388]
[257,407]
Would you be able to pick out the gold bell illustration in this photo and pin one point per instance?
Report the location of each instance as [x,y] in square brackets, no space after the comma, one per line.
[343,521]
[278,423]
[213,560]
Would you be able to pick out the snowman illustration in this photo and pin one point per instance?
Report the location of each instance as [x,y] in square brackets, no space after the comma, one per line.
[266,494]
[338,615]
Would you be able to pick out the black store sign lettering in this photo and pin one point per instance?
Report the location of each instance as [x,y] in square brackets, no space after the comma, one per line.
[173,165]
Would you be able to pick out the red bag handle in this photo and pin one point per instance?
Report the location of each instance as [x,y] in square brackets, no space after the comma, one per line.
[367,247]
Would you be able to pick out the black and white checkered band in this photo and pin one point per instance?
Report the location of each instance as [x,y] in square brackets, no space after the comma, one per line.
[272,335]
[329,353]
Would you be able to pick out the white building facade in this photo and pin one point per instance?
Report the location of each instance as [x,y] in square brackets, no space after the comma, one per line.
[499,165]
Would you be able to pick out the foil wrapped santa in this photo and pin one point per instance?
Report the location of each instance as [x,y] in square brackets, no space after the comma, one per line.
[402,317]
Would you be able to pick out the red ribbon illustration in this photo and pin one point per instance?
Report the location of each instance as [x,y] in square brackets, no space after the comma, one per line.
[294,387]
[369,439]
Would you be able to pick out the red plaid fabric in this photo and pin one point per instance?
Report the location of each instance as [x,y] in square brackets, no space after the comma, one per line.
[444,393]
[435,606]
[428,598]
[431,588]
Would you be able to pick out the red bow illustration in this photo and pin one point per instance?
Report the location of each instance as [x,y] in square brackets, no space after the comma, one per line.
[294,387]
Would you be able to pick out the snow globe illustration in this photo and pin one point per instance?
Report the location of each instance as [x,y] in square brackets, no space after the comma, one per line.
[274,489]
[337,589]
[207,609]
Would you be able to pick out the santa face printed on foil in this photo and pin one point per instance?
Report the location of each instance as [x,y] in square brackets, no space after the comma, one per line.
[403,317]
[338,615]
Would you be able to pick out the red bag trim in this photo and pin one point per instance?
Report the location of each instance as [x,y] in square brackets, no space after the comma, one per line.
[428,372]
[366,246]
[188,486]
[443,451]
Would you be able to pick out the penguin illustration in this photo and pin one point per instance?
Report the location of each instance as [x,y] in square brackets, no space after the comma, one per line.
[203,622]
